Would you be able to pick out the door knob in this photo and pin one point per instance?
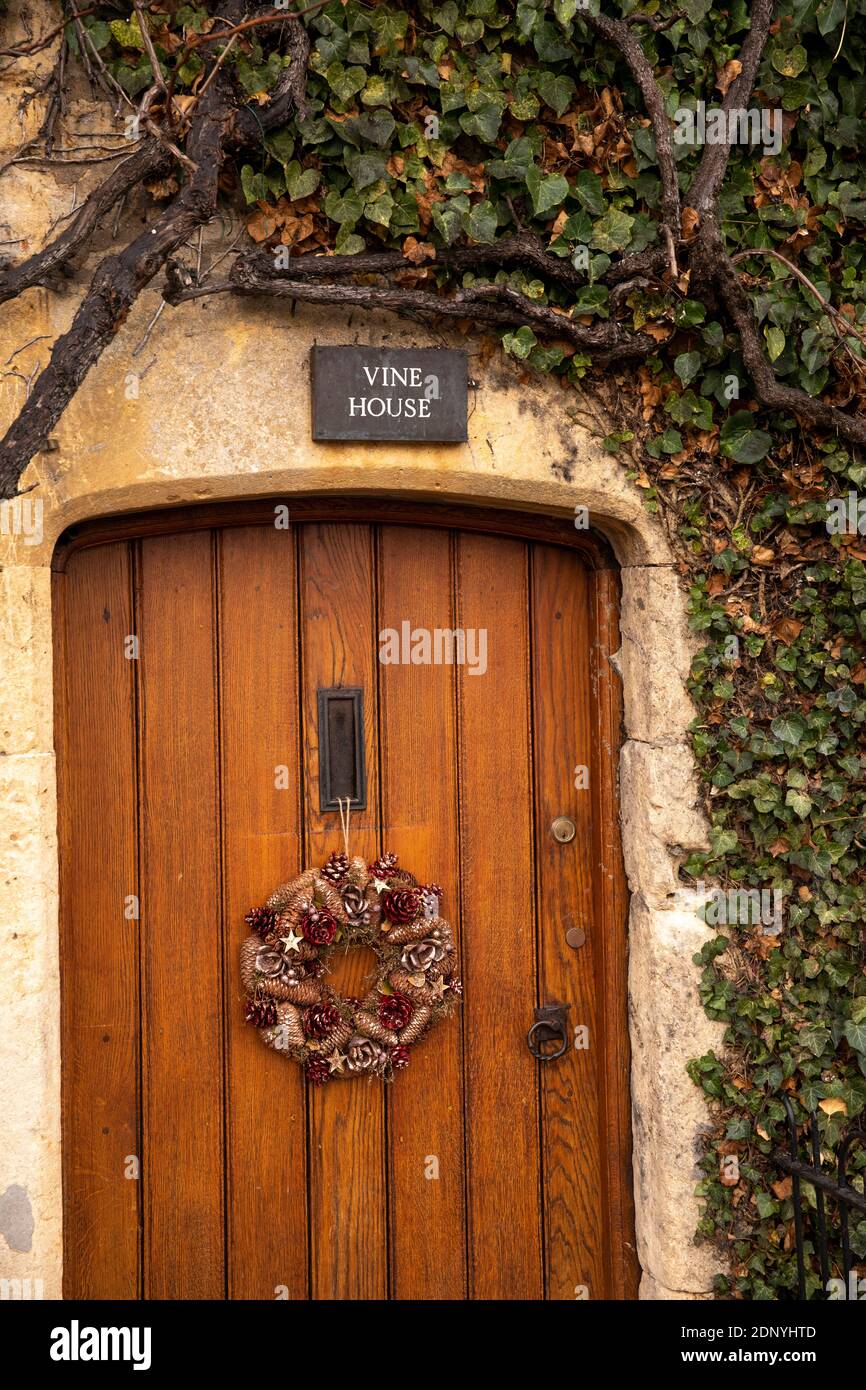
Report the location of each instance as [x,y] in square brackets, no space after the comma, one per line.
[563,830]
[550,1026]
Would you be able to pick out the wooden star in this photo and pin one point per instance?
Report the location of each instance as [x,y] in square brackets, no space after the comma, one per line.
[336,1060]
[438,987]
[380,885]
[292,942]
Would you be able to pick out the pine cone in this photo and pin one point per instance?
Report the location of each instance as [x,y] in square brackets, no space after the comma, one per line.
[413,931]
[304,992]
[261,1012]
[383,866]
[337,1037]
[261,920]
[370,1026]
[429,906]
[401,907]
[249,950]
[318,926]
[454,985]
[318,1071]
[336,868]
[403,984]
[413,1030]
[401,878]
[287,895]
[395,1010]
[358,873]
[357,907]
[319,1019]
[286,1035]
[399,1057]
[365,1055]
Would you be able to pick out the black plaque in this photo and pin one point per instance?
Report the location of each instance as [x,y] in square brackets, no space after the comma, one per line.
[389,393]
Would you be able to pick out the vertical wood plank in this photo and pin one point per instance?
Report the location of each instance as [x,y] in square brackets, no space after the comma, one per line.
[612,960]
[99,945]
[181,929]
[419,807]
[267,1225]
[346,1118]
[561,641]
[505,1251]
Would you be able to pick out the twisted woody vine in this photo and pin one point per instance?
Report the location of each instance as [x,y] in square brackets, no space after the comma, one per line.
[347,903]
[661,206]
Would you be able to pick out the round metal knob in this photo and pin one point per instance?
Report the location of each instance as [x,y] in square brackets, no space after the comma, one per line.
[563,829]
[575,936]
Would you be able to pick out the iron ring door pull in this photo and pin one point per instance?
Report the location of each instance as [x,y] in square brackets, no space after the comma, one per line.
[550,1026]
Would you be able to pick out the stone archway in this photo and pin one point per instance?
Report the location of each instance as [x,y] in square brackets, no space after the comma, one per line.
[180,431]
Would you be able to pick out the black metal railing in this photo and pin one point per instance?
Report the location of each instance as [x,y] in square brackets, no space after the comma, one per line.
[838,1189]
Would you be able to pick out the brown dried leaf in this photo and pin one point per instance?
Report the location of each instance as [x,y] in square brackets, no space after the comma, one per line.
[418,251]
[833,1106]
[691,219]
[763,555]
[726,75]
[787,630]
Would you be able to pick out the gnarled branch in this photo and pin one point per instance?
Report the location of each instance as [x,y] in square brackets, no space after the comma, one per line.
[717,266]
[146,162]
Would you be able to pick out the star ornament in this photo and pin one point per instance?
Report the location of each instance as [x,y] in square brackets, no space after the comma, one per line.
[336,1060]
[438,987]
[292,942]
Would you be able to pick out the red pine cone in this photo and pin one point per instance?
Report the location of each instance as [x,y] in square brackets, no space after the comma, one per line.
[318,926]
[262,1013]
[336,867]
[399,1057]
[432,888]
[384,865]
[395,1010]
[402,907]
[454,984]
[261,920]
[318,1071]
[319,1019]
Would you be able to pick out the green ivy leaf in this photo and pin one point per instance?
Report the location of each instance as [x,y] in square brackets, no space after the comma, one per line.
[301,183]
[613,231]
[254,184]
[521,343]
[790,62]
[589,192]
[799,802]
[789,728]
[547,191]
[687,365]
[741,440]
[556,90]
[481,222]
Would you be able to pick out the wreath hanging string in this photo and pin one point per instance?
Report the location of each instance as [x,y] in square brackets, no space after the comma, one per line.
[286,960]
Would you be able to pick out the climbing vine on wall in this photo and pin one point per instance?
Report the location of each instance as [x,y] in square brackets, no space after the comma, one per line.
[663,206]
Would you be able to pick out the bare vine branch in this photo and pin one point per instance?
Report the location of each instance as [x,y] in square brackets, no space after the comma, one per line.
[146,162]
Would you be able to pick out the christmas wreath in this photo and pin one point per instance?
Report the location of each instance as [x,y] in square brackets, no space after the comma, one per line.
[284,967]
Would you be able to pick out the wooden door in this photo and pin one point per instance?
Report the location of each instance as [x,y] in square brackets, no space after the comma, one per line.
[197,1163]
